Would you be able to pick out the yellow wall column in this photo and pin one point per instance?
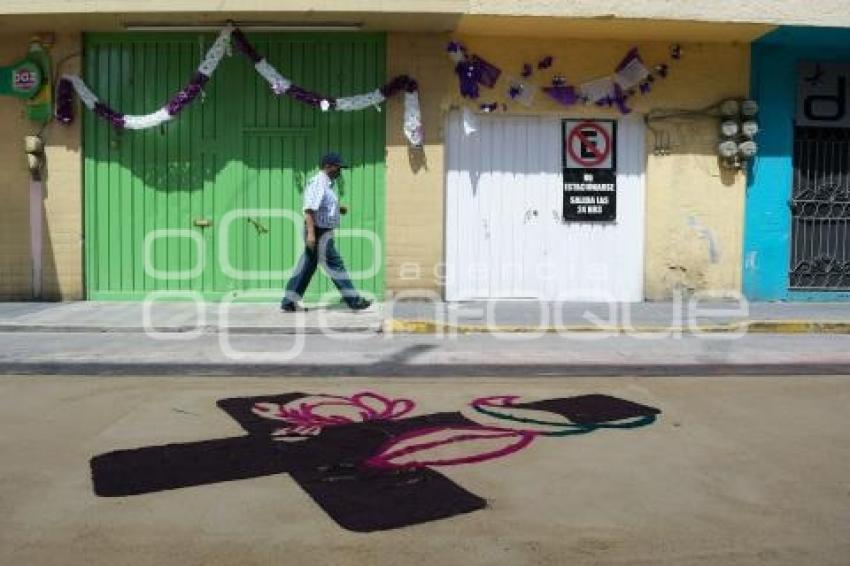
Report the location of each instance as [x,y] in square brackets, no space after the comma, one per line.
[62,276]
[415,178]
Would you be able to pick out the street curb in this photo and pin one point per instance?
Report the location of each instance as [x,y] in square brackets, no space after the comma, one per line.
[754,326]
[430,327]
[402,370]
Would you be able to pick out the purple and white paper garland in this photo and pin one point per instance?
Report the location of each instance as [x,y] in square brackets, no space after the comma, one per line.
[280,85]
[70,83]
[629,78]
[472,71]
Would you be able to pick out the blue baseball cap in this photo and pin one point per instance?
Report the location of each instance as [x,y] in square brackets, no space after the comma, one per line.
[333,158]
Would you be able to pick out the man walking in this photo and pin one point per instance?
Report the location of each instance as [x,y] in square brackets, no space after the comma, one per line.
[321,216]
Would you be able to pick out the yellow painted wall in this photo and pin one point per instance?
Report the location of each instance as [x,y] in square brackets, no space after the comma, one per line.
[694,211]
[694,214]
[828,12]
[62,256]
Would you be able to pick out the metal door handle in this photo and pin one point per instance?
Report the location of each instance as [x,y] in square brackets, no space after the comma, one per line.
[202,222]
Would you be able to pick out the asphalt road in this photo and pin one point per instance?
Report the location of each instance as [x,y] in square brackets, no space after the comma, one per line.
[734,471]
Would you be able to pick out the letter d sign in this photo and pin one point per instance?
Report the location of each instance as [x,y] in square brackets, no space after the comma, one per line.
[828,107]
[822,95]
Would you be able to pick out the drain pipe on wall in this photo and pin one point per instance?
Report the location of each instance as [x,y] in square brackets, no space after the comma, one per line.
[35,161]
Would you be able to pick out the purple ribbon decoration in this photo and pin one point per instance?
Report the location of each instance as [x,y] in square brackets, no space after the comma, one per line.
[546,62]
[65,90]
[527,70]
[489,73]
[244,46]
[456,51]
[472,72]
[309,97]
[314,99]
[630,56]
[565,95]
[187,94]
[104,111]
[619,99]
[469,74]
[402,82]
[65,101]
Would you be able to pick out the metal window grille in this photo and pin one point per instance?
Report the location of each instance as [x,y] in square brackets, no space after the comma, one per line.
[820,210]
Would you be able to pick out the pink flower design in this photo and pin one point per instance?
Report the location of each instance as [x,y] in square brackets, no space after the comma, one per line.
[421,448]
[307,416]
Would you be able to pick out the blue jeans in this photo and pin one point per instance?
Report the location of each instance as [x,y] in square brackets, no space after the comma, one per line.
[326,253]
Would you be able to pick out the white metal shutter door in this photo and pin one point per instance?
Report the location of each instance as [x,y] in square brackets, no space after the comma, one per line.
[496,179]
[504,235]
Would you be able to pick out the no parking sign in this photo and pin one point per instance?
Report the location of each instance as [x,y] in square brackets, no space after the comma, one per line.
[590,170]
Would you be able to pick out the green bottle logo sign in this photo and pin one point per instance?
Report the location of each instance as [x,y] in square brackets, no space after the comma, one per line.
[23,79]
[26,78]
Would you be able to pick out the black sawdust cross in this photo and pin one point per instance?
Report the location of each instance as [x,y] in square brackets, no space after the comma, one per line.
[329,466]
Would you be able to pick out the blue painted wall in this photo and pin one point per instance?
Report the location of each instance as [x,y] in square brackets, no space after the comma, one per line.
[767,231]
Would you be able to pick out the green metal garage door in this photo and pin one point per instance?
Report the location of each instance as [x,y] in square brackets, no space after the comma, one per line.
[211,202]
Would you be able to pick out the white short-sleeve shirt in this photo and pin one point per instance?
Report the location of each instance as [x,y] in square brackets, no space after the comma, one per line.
[320,197]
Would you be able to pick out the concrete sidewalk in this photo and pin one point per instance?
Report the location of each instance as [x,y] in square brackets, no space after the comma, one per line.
[426,317]
[183,317]
[679,316]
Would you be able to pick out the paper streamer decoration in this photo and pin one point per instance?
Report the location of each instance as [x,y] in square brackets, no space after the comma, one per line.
[545,62]
[489,73]
[597,89]
[472,71]
[564,95]
[631,71]
[470,122]
[630,77]
[521,91]
[279,84]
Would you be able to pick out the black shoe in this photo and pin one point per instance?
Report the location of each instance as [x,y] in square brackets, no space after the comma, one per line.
[360,304]
[292,307]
